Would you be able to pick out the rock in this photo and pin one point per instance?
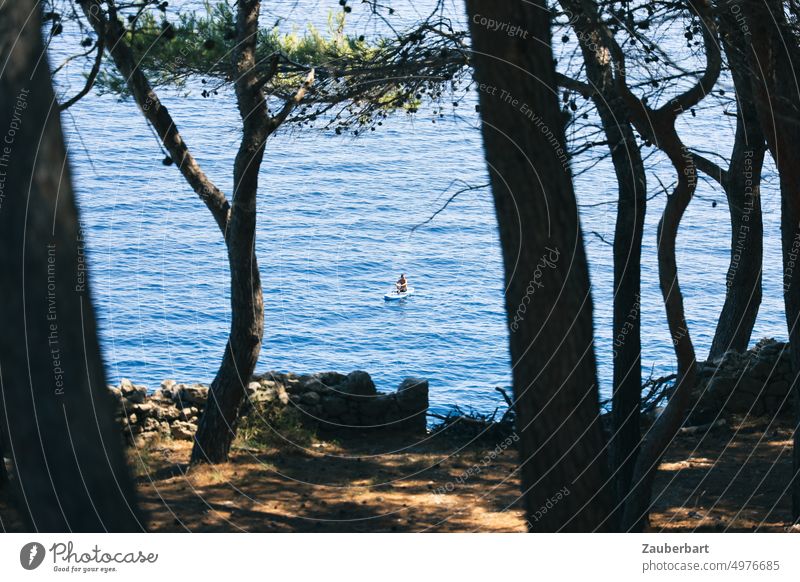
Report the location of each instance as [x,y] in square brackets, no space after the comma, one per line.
[778,388]
[750,385]
[333,406]
[144,409]
[132,419]
[134,394]
[283,396]
[373,411]
[358,383]
[330,379]
[264,395]
[412,394]
[182,431]
[168,388]
[253,387]
[762,367]
[115,392]
[151,424]
[194,395]
[310,398]
[720,387]
[315,385]
[167,413]
[187,412]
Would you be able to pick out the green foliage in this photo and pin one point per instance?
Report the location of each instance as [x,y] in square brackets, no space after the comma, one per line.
[201,45]
[358,81]
[272,425]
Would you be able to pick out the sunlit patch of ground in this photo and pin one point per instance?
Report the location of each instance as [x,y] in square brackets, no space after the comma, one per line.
[356,485]
[732,478]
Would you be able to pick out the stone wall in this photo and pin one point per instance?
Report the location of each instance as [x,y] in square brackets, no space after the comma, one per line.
[328,401]
[755,382]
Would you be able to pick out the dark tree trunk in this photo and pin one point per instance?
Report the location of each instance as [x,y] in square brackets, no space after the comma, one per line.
[632,195]
[69,468]
[742,185]
[217,427]
[548,298]
[659,127]
[772,57]
[3,470]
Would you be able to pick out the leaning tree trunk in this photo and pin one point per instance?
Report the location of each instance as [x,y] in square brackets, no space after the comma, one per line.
[773,55]
[632,200]
[69,468]
[548,297]
[742,185]
[217,427]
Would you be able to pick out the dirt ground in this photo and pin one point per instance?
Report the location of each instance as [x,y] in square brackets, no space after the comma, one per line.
[732,478]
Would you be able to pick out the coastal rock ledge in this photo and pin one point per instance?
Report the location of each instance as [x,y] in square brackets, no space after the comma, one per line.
[755,382]
[328,401]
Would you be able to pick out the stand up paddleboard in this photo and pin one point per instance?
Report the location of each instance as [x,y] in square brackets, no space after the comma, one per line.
[396,296]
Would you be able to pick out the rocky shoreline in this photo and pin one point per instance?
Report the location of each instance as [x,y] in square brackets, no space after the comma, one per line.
[328,401]
[756,382]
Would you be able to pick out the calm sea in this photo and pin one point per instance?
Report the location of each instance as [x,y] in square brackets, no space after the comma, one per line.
[335,230]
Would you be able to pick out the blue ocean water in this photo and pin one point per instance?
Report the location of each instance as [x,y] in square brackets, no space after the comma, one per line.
[335,230]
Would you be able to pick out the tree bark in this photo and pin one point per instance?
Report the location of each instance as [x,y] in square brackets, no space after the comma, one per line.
[742,185]
[632,200]
[217,427]
[772,57]
[548,298]
[659,127]
[3,470]
[69,468]
[156,113]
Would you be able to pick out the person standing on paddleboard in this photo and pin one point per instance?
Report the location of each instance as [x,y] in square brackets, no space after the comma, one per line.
[402,284]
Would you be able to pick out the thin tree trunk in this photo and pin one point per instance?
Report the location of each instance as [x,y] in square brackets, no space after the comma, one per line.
[69,468]
[548,298]
[217,427]
[772,57]
[659,127]
[742,185]
[632,200]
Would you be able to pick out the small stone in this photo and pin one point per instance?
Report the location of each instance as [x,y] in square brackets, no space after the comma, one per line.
[144,409]
[151,424]
[134,394]
[283,396]
[183,431]
[194,395]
